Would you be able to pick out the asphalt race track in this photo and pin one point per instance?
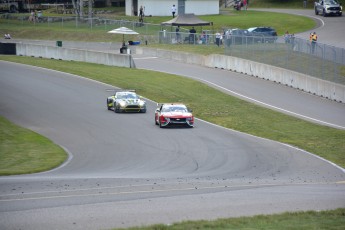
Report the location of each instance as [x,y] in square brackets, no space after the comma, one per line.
[125,171]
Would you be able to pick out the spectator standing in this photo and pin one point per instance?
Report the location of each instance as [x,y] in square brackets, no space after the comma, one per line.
[218,37]
[32,17]
[292,41]
[192,33]
[203,38]
[141,14]
[173,10]
[245,4]
[39,16]
[313,42]
[287,37]
[227,38]
[178,35]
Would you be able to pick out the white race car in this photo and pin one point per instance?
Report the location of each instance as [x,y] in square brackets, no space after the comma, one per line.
[126,101]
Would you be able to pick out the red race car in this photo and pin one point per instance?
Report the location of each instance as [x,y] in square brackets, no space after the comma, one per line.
[173,114]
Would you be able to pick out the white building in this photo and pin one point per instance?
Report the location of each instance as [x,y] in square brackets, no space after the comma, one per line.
[163,7]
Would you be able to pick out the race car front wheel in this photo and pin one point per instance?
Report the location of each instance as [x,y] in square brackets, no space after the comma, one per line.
[108,102]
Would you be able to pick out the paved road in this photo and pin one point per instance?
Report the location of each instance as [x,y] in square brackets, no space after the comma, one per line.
[130,179]
[330,30]
[281,98]
[269,94]
[119,176]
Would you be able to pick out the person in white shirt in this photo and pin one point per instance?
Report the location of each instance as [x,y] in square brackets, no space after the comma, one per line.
[218,37]
[173,10]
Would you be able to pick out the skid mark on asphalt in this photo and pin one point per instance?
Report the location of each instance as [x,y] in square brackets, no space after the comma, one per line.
[151,191]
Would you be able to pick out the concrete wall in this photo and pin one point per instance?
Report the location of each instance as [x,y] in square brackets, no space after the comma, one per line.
[326,89]
[286,77]
[34,50]
[163,8]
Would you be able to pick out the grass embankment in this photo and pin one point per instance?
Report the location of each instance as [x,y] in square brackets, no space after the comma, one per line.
[211,105]
[69,30]
[326,220]
[23,151]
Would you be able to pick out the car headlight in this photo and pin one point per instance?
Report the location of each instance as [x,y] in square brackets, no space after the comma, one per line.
[141,103]
[122,103]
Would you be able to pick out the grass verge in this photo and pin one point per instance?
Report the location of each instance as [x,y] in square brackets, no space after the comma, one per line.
[221,108]
[23,151]
[69,30]
[326,220]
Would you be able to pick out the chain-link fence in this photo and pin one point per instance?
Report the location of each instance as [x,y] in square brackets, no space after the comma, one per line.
[79,23]
[297,54]
[315,59]
[185,37]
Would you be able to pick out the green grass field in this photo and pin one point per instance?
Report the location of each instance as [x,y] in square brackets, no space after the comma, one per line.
[23,151]
[237,114]
[69,30]
[325,220]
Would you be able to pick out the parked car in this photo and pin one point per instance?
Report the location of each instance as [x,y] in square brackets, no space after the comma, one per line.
[263,34]
[238,37]
[172,114]
[328,7]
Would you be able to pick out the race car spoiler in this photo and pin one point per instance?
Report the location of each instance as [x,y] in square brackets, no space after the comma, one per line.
[170,103]
[120,90]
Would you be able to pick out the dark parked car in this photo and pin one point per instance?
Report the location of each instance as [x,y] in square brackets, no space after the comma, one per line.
[237,37]
[263,34]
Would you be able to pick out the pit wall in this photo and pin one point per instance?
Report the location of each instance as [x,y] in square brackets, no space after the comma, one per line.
[60,53]
[316,86]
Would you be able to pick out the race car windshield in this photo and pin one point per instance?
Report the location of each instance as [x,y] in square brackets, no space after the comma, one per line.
[127,96]
[178,109]
[131,96]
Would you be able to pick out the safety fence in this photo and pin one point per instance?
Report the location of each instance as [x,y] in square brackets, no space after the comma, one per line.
[72,22]
[297,54]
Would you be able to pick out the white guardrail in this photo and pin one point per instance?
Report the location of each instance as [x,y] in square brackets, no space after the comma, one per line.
[61,53]
[326,89]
